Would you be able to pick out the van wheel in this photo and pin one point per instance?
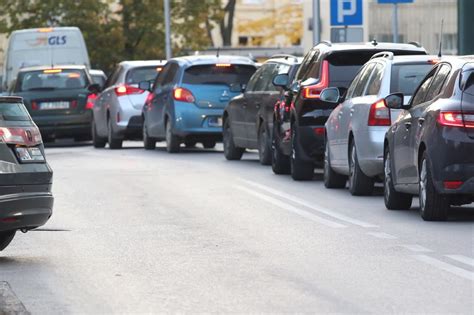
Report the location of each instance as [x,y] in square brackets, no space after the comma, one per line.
[172,141]
[148,143]
[209,144]
[6,238]
[264,145]
[433,206]
[359,183]
[231,151]
[97,141]
[114,143]
[300,169]
[393,199]
[280,162]
[331,178]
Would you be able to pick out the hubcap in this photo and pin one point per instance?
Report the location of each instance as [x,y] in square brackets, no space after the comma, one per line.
[388,175]
[423,184]
[351,166]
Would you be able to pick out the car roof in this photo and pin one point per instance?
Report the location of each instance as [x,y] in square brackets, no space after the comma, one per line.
[289,60]
[213,59]
[407,59]
[327,46]
[142,63]
[66,67]
[16,99]
[96,72]
[43,29]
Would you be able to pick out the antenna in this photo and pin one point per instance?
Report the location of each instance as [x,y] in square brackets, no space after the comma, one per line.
[217,52]
[441,40]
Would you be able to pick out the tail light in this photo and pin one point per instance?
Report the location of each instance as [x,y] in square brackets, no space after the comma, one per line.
[90,101]
[452,184]
[456,119]
[379,114]
[34,105]
[183,95]
[127,90]
[27,136]
[313,91]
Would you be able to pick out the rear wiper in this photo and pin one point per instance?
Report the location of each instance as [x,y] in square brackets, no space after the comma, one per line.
[46,88]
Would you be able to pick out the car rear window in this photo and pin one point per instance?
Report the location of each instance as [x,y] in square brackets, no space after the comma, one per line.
[137,75]
[343,67]
[51,79]
[98,79]
[406,77]
[218,74]
[13,111]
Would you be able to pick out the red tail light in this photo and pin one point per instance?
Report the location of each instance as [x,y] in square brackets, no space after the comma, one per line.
[452,184]
[456,119]
[379,114]
[183,95]
[127,90]
[34,105]
[28,136]
[90,101]
[313,91]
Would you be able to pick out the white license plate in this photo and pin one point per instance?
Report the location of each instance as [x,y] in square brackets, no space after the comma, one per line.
[54,105]
[215,121]
[29,154]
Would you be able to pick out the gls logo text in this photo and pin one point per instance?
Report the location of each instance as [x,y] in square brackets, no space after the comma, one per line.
[57,40]
[346,12]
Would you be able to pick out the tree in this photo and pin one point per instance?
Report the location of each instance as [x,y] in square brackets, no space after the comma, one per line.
[226,23]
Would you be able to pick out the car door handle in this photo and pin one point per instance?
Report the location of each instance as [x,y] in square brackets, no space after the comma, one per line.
[421,121]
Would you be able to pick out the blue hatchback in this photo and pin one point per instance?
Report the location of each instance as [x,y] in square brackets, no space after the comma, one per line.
[188,98]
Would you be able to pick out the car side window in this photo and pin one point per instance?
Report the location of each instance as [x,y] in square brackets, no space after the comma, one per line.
[278,69]
[253,80]
[305,64]
[265,77]
[360,87]
[170,74]
[113,78]
[355,81]
[438,82]
[420,93]
[375,81]
[162,75]
[314,67]
[469,88]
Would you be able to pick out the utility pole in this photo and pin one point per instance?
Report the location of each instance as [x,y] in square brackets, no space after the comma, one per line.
[465,25]
[316,22]
[167,29]
[395,22]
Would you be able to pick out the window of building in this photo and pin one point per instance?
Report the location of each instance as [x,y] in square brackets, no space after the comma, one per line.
[243,40]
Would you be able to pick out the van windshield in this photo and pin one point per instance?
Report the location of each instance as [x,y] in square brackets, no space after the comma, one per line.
[51,79]
[13,111]
[218,74]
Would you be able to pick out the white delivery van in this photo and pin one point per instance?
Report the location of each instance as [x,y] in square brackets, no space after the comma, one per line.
[41,47]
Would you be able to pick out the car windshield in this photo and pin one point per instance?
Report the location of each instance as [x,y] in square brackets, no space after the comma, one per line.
[218,74]
[406,77]
[13,111]
[52,79]
[137,75]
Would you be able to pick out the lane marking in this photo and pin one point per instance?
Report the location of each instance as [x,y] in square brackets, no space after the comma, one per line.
[463,259]
[446,267]
[9,302]
[417,248]
[290,208]
[382,235]
[310,206]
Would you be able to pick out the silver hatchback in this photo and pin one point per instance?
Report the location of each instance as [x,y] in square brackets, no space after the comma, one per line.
[117,112]
[356,128]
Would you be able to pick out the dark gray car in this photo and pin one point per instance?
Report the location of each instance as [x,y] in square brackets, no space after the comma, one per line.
[26,201]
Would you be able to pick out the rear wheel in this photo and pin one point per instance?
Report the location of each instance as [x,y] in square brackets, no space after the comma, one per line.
[97,141]
[264,145]
[331,178]
[172,141]
[148,143]
[209,144]
[433,206]
[231,151]
[359,183]
[300,169]
[114,142]
[6,238]
[280,162]
[393,199]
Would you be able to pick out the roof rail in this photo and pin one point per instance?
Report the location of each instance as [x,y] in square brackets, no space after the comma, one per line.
[383,54]
[326,42]
[286,56]
[415,44]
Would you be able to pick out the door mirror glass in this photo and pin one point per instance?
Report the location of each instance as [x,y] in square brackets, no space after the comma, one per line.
[281,80]
[94,88]
[395,101]
[330,95]
[144,85]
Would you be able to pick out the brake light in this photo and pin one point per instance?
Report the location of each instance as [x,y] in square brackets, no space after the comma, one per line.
[313,91]
[319,131]
[452,184]
[49,71]
[379,114]
[183,95]
[21,136]
[34,105]
[127,90]
[456,119]
[223,65]
[90,101]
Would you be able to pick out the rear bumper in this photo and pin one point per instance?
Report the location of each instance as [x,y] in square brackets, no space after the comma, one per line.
[131,128]
[25,210]
[191,120]
[60,126]
[369,146]
[311,145]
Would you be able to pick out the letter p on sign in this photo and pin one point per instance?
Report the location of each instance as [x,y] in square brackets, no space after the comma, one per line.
[346,12]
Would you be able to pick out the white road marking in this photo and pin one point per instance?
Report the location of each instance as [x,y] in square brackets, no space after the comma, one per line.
[290,208]
[310,205]
[9,302]
[417,248]
[446,267]
[382,235]
[463,259]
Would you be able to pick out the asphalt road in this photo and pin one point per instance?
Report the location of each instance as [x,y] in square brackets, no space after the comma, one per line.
[135,231]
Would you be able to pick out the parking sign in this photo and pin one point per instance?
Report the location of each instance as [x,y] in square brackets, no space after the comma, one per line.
[346,12]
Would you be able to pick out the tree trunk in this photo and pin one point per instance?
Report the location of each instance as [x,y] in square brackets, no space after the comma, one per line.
[227,23]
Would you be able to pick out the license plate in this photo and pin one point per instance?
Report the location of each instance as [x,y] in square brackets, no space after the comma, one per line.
[215,121]
[54,105]
[29,154]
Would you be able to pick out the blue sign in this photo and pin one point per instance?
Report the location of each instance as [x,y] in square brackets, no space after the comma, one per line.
[395,1]
[346,12]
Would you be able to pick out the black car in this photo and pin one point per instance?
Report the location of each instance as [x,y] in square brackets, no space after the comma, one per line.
[26,201]
[58,99]
[248,118]
[300,137]
[429,150]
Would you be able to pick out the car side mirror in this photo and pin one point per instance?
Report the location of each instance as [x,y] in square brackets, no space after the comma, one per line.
[281,80]
[144,85]
[331,95]
[94,88]
[395,101]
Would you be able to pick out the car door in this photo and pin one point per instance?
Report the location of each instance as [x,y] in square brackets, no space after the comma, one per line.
[102,103]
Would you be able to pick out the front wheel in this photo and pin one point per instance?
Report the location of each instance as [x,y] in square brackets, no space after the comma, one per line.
[172,141]
[148,143]
[300,169]
[6,238]
[264,145]
[433,206]
[331,178]
[393,199]
[231,151]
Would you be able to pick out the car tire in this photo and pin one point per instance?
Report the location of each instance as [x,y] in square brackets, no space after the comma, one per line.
[433,206]
[172,141]
[97,141]
[6,238]
[114,143]
[393,199]
[280,162]
[331,178]
[209,144]
[190,144]
[148,143]
[231,151]
[300,169]
[359,183]
[264,145]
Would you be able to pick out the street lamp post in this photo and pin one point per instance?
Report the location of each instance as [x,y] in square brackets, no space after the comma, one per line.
[316,23]
[167,29]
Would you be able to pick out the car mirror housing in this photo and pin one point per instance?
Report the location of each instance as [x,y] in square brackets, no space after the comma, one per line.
[295,87]
[395,101]
[331,95]
[281,80]
[144,85]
